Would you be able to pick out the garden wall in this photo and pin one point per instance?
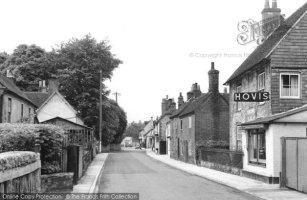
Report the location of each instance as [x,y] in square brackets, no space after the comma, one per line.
[20,172]
[222,160]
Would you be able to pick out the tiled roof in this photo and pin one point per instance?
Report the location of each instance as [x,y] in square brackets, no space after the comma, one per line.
[194,104]
[179,110]
[266,120]
[263,50]
[10,86]
[38,98]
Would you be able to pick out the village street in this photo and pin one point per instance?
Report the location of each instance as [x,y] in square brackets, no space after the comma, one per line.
[134,172]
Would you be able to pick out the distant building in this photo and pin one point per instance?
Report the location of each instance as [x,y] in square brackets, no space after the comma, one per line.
[127,142]
[202,119]
[162,139]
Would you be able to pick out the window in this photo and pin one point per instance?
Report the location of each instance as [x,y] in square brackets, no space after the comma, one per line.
[256,147]
[181,124]
[190,122]
[29,114]
[289,85]
[239,104]
[261,82]
[9,110]
[21,114]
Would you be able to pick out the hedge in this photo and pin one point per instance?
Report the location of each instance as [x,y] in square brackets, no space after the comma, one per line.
[21,137]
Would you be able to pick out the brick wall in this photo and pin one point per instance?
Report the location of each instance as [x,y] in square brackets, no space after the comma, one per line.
[212,120]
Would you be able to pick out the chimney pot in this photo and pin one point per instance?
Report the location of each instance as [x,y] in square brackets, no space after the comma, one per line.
[274,4]
[267,4]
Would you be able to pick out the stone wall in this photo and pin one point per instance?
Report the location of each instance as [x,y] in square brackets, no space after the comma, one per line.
[57,182]
[249,110]
[20,172]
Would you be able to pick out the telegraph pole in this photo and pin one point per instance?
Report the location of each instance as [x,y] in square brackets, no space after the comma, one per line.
[116,95]
[100,111]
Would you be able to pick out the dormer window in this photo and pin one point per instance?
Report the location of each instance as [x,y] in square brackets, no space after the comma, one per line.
[289,85]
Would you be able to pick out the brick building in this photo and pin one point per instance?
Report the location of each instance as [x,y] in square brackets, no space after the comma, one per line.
[162,141]
[203,118]
[277,66]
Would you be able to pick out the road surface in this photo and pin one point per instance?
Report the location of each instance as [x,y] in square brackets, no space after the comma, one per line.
[134,172]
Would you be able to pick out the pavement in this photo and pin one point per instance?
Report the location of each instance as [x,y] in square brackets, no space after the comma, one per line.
[250,186]
[88,182]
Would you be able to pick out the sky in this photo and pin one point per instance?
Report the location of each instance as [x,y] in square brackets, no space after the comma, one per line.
[165,45]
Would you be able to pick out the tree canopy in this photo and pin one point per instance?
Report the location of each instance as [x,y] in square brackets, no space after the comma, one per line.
[133,130]
[76,64]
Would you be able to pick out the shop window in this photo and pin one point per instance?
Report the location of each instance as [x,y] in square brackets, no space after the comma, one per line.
[256,147]
[289,85]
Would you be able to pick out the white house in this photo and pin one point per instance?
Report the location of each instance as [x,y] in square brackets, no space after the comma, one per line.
[52,104]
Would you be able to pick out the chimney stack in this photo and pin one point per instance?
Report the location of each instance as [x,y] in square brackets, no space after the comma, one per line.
[225,90]
[189,95]
[180,100]
[271,18]
[213,79]
[274,4]
[10,75]
[53,85]
[196,90]
[267,4]
[42,86]
[166,104]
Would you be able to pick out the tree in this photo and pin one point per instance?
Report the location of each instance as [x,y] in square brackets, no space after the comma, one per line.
[78,62]
[28,64]
[133,130]
[3,57]
[75,64]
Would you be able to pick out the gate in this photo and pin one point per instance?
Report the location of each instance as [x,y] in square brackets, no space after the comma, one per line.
[294,164]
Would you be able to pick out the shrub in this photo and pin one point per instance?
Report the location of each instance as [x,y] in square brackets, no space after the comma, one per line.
[21,137]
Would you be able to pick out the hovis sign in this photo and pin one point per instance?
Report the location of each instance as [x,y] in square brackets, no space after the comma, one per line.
[252,96]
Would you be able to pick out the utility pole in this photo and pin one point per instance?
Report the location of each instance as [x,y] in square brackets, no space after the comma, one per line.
[100,111]
[116,95]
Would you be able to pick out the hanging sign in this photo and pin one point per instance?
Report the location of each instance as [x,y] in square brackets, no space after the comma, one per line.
[252,96]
